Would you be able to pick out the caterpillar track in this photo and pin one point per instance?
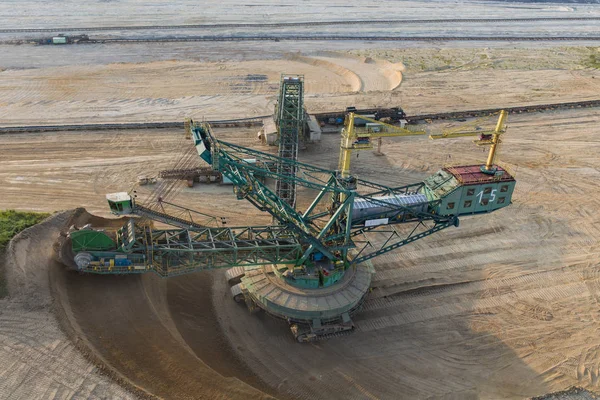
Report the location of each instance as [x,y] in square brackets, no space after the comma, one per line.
[304,334]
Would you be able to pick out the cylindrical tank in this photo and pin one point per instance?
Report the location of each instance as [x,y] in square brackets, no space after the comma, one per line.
[363,209]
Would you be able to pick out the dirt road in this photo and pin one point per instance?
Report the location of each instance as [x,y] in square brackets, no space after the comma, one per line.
[438,80]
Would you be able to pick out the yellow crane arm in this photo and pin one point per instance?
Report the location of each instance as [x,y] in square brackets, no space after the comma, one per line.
[399,132]
[384,125]
[489,138]
[355,138]
[495,141]
[448,135]
[351,136]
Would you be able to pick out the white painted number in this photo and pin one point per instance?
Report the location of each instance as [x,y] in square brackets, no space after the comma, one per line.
[492,196]
[480,195]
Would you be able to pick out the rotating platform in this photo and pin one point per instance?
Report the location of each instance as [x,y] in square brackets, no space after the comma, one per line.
[320,309]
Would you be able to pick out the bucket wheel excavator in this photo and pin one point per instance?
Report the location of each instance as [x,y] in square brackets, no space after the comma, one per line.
[312,265]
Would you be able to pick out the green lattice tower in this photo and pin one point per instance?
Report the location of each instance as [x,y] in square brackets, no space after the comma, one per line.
[289,117]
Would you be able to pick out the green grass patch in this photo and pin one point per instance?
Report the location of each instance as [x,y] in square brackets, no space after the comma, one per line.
[593,61]
[429,59]
[11,223]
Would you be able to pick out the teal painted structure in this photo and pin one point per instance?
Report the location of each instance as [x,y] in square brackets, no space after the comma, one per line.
[59,40]
[289,117]
[137,248]
[466,190]
[313,268]
[91,240]
[319,304]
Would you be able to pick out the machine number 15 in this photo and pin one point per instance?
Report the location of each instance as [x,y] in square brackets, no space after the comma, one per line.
[492,196]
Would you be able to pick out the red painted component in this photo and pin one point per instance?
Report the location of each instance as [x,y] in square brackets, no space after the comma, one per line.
[471,174]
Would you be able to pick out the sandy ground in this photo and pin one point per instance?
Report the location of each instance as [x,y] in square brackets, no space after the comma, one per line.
[172,90]
[43,340]
[506,306]
[502,307]
[436,80]
[38,360]
[34,13]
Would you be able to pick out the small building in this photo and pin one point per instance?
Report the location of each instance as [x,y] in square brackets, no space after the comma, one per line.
[362,122]
[120,203]
[373,127]
[465,190]
[59,40]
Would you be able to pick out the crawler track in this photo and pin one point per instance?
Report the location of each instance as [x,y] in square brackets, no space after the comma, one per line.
[255,121]
[293,24]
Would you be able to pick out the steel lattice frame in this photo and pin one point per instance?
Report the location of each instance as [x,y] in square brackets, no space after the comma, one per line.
[289,117]
[172,252]
[180,251]
[326,226]
[330,232]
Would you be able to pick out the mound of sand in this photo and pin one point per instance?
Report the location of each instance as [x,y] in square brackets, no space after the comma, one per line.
[125,323]
[122,324]
[352,78]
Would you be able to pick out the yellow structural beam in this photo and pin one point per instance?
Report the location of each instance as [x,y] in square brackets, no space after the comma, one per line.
[500,128]
[445,135]
[493,141]
[404,132]
[351,134]
[346,146]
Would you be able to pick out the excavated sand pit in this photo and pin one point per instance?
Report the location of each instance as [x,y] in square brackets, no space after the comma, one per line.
[122,324]
[136,325]
[39,358]
[505,306]
[502,307]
